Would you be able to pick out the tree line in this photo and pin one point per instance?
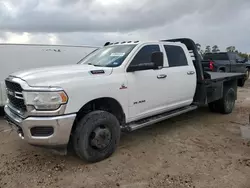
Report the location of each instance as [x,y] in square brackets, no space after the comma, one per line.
[216,49]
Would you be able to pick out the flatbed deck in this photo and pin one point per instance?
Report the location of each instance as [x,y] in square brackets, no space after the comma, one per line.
[224,75]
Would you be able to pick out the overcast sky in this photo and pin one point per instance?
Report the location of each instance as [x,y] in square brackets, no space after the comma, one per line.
[93,22]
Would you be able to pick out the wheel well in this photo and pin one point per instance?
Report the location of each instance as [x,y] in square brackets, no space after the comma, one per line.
[223,69]
[106,104]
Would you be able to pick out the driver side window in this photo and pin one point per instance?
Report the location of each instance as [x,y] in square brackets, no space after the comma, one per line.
[144,55]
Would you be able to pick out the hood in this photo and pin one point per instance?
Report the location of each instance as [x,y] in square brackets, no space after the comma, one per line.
[48,75]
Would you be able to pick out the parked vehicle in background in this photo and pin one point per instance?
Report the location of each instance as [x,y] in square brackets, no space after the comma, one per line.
[119,87]
[226,62]
[16,57]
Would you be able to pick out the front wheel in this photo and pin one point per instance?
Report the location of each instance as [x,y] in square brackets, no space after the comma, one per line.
[97,136]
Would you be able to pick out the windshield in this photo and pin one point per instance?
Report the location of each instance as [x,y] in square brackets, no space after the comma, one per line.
[108,56]
[219,56]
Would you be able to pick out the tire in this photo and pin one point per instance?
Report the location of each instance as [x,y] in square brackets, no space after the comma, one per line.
[213,106]
[247,74]
[1,111]
[97,136]
[241,82]
[227,103]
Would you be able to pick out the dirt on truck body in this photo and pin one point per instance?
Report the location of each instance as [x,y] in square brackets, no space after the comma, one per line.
[198,149]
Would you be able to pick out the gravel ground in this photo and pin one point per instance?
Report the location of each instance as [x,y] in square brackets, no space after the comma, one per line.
[198,149]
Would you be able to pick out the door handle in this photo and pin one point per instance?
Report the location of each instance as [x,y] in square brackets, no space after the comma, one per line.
[161,76]
[190,72]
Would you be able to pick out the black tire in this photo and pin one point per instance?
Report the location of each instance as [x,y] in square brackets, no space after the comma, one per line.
[1,111]
[213,106]
[109,129]
[241,82]
[247,74]
[227,103]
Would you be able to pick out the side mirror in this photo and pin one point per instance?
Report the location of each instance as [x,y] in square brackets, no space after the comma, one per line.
[156,63]
[157,59]
[242,60]
[142,66]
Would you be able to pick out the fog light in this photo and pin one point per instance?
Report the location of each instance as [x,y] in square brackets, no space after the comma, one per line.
[41,131]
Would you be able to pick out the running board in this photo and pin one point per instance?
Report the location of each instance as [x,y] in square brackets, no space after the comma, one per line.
[158,118]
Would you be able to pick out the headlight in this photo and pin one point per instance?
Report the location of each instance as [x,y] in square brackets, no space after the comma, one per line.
[44,100]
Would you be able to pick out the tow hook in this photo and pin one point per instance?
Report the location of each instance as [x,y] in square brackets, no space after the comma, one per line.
[20,134]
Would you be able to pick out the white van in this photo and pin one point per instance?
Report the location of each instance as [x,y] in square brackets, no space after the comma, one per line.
[16,57]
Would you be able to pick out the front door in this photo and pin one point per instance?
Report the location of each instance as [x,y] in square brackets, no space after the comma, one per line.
[145,86]
[241,67]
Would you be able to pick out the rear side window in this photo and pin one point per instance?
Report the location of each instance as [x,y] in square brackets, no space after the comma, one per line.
[144,55]
[176,56]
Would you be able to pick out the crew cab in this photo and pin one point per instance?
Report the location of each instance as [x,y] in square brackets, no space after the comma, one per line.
[226,62]
[122,86]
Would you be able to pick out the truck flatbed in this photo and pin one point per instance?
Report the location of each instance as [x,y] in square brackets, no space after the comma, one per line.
[223,75]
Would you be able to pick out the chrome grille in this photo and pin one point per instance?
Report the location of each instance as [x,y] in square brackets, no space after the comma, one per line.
[13,86]
[15,96]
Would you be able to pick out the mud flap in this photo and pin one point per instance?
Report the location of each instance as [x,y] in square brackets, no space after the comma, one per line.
[245,131]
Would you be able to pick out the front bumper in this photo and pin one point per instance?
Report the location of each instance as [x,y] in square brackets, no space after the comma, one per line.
[62,126]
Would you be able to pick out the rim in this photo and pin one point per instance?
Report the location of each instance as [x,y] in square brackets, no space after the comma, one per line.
[230,100]
[100,138]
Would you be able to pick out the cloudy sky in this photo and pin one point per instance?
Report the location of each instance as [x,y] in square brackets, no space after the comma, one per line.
[93,22]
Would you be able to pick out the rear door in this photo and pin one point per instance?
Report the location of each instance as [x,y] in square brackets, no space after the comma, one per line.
[232,59]
[181,77]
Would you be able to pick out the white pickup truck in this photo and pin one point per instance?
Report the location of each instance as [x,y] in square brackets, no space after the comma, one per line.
[120,87]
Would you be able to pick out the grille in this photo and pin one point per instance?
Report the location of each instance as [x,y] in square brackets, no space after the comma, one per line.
[14,93]
[13,86]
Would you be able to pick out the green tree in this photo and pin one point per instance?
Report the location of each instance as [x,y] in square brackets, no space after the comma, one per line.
[244,55]
[231,49]
[208,49]
[215,49]
[202,52]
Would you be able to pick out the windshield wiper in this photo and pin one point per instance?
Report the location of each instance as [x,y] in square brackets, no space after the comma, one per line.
[91,64]
[94,65]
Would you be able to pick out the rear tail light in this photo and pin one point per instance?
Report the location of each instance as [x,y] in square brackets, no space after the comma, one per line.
[211,65]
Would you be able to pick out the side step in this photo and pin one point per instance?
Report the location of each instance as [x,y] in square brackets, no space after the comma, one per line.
[158,118]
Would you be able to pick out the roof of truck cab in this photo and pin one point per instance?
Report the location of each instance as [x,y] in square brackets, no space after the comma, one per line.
[141,42]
